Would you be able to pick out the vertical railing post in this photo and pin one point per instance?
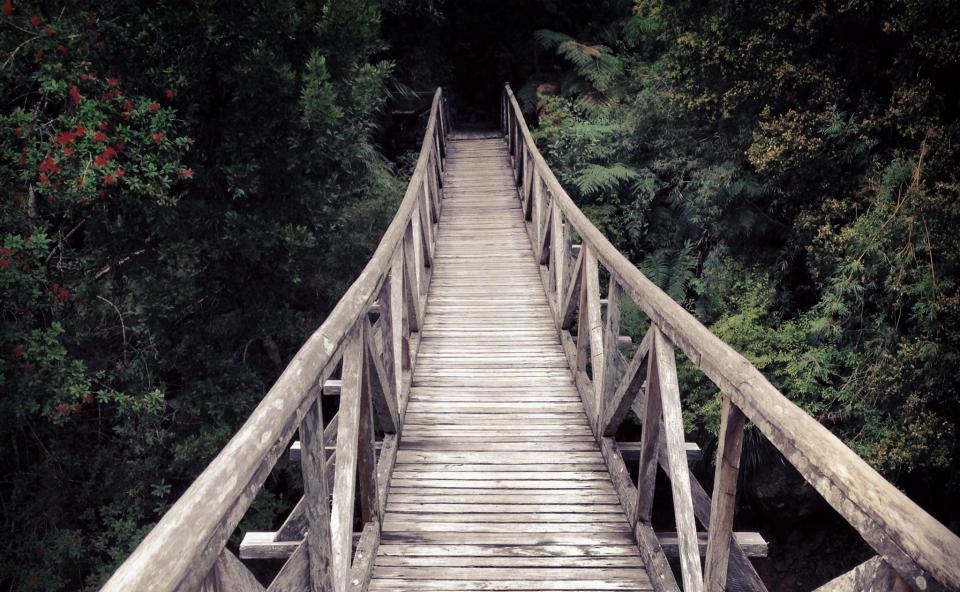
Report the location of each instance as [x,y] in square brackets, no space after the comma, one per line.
[313,464]
[366,456]
[649,438]
[344,484]
[611,333]
[723,501]
[591,280]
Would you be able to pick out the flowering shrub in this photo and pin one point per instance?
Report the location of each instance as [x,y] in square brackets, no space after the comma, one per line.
[76,149]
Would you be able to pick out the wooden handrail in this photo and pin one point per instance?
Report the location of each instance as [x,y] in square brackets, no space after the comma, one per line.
[920,549]
[186,547]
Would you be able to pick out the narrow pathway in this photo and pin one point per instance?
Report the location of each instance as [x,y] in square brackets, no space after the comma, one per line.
[499,484]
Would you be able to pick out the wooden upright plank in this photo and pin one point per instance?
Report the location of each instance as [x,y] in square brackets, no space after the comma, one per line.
[344,484]
[724,497]
[649,449]
[595,325]
[366,456]
[316,495]
[677,468]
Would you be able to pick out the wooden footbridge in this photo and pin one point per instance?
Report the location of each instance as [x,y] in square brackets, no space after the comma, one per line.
[478,367]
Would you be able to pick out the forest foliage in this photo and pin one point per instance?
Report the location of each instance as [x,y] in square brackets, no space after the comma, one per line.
[789,172]
[187,188]
[184,194]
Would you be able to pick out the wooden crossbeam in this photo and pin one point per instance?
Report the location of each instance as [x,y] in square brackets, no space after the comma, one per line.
[381,389]
[230,575]
[572,295]
[627,390]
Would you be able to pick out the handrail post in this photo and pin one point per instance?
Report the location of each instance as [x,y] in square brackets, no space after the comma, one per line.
[313,464]
[723,501]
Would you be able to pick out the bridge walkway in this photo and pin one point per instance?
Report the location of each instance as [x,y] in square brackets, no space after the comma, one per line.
[499,483]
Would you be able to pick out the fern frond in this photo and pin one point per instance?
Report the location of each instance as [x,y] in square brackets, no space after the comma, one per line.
[596,178]
[550,39]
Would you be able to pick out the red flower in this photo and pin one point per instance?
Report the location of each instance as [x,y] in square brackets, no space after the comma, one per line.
[50,31]
[43,180]
[63,409]
[169,94]
[85,76]
[88,399]
[49,165]
[18,132]
[51,198]
[38,55]
[23,159]
[77,407]
[154,106]
[119,173]
[80,131]
[60,292]
[8,7]
[68,150]
[102,125]
[127,106]
[35,21]
[186,173]
[75,94]
[5,251]
[64,138]
[62,50]
[26,267]
[104,157]
[158,137]
[121,146]
[99,137]
[101,193]
[109,180]
[4,263]
[111,82]
[17,352]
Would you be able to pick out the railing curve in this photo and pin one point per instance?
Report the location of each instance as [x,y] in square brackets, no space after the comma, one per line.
[186,551]
[921,551]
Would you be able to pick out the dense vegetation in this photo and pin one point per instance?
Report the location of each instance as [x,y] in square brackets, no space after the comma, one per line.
[186,188]
[184,193]
[789,172]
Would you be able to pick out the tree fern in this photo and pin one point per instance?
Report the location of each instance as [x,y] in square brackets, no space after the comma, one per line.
[597,178]
[671,271]
[594,63]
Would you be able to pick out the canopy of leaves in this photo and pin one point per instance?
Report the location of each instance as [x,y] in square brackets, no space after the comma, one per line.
[183,196]
[790,174]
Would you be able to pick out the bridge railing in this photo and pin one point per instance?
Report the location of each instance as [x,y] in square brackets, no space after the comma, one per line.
[912,547]
[372,336]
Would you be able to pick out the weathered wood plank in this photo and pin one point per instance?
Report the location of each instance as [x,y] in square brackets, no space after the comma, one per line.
[315,495]
[626,392]
[724,496]
[873,575]
[341,523]
[677,469]
[230,575]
